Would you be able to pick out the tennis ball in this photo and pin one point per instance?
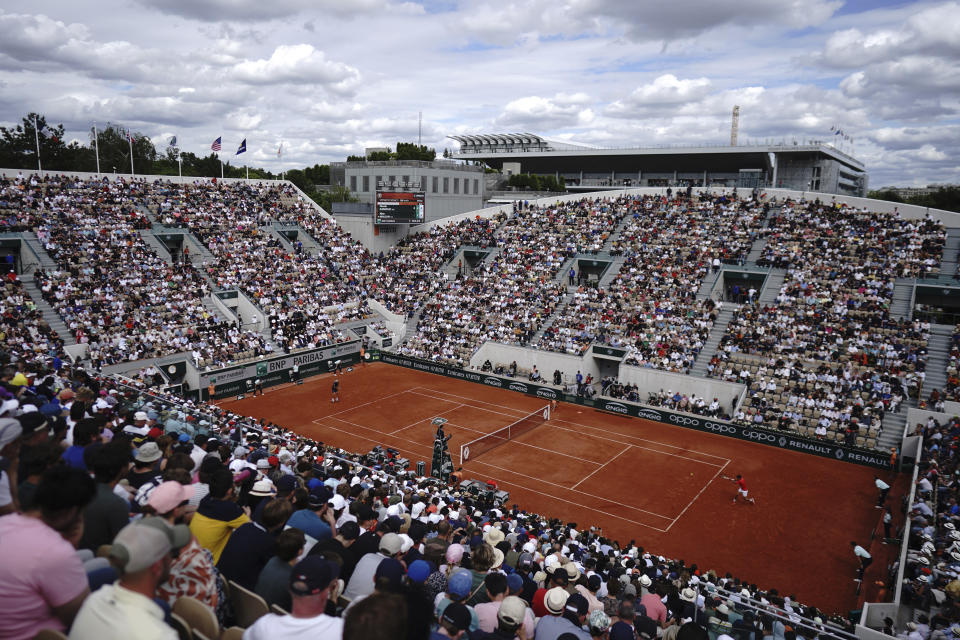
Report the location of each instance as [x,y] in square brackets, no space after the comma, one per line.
[691,473]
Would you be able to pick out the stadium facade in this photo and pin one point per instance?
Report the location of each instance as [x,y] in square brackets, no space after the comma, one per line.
[450,187]
[811,166]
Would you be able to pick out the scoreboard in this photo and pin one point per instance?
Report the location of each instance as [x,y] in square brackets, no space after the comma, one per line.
[399,207]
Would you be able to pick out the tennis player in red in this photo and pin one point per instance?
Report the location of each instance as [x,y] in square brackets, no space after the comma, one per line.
[742,490]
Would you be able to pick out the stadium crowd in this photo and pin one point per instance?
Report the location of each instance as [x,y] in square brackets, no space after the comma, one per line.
[932,571]
[138,523]
[124,507]
[826,358]
[650,307]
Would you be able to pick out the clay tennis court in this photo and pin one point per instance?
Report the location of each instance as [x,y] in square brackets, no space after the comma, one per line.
[658,484]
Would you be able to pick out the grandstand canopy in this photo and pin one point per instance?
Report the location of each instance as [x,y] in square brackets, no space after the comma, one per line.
[811,166]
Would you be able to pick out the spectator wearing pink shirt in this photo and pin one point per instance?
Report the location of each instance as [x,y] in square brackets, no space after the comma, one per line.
[42,580]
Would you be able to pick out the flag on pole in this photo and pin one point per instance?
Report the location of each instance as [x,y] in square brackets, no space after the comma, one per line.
[280,151]
[131,137]
[242,148]
[172,142]
[216,145]
[47,132]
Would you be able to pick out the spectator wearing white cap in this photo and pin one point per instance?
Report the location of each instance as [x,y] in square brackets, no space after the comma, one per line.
[361,582]
[142,551]
[139,427]
[555,623]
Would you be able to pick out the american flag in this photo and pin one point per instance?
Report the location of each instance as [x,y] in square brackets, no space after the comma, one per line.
[216,145]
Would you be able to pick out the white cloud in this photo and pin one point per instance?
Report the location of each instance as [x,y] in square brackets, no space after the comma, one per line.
[299,63]
[256,10]
[531,112]
[665,91]
[610,72]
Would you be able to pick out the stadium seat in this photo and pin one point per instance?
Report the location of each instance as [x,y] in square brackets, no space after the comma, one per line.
[247,605]
[181,627]
[199,617]
[49,634]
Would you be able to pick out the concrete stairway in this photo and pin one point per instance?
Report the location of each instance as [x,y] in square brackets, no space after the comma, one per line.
[902,295]
[617,232]
[412,323]
[938,356]
[891,431]
[46,262]
[699,368]
[948,264]
[707,284]
[564,302]
[771,286]
[52,317]
[158,247]
[756,250]
[562,276]
[272,231]
[611,272]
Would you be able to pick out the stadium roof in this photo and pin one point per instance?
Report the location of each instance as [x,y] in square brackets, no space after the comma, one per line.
[513,142]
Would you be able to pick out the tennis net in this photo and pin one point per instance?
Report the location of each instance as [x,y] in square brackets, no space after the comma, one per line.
[486,442]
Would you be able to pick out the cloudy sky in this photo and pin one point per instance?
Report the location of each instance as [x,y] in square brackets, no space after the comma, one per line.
[330,77]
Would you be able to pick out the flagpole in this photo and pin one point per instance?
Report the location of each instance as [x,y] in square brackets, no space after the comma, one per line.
[96,147]
[248,172]
[130,142]
[180,164]
[36,137]
[221,167]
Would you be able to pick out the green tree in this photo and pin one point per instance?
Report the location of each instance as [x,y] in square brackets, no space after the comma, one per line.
[410,151]
[888,194]
[114,149]
[18,145]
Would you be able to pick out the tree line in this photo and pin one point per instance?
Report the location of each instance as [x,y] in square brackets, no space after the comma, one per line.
[946,198]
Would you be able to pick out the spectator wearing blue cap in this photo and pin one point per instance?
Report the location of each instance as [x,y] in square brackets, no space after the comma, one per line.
[458,590]
[316,521]
[312,583]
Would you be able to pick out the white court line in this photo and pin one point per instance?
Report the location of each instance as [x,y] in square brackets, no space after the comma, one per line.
[357,406]
[527,444]
[552,425]
[577,424]
[413,424]
[516,484]
[690,504]
[625,449]
[508,470]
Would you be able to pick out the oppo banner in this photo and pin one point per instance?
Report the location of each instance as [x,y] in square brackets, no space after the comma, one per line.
[782,440]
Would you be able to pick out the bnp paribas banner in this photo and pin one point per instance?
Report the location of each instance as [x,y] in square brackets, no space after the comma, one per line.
[278,369]
[779,439]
